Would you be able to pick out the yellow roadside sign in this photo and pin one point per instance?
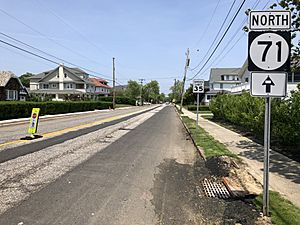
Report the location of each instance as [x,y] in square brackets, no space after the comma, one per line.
[32,128]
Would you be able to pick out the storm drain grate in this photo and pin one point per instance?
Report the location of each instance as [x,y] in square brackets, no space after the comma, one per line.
[215,189]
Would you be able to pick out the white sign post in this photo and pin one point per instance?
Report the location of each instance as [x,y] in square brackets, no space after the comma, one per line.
[268,51]
[198,87]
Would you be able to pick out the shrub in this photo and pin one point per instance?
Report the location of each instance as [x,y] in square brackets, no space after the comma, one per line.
[12,110]
[248,112]
[119,100]
[201,108]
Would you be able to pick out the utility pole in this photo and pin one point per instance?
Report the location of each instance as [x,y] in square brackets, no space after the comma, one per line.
[174,91]
[141,93]
[114,85]
[187,63]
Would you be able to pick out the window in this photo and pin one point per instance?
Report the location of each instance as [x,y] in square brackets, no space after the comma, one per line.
[208,97]
[247,79]
[66,75]
[221,85]
[45,86]
[11,95]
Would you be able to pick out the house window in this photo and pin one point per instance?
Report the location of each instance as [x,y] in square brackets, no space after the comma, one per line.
[45,86]
[221,85]
[208,97]
[247,79]
[11,95]
[66,75]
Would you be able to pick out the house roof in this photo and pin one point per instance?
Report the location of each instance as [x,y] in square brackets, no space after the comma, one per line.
[5,76]
[97,82]
[216,73]
[75,71]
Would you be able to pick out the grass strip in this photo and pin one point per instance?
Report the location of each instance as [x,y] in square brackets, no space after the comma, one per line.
[210,146]
[283,212]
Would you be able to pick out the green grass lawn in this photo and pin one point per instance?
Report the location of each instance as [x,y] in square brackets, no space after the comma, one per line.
[210,146]
[283,212]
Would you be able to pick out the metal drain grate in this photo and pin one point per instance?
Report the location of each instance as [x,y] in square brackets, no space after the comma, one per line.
[215,189]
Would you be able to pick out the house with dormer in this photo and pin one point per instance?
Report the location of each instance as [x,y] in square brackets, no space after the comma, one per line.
[63,83]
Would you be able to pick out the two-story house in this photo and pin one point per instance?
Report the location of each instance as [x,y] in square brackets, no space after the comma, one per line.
[62,82]
[101,86]
[221,80]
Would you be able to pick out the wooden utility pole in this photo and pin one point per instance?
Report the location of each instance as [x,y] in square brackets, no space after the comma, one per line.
[141,92]
[187,63]
[114,85]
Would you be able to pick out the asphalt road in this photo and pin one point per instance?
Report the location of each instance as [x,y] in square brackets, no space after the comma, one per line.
[17,131]
[148,176]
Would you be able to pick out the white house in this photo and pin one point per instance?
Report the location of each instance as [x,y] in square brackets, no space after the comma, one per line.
[62,82]
[101,86]
[221,80]
[244,77]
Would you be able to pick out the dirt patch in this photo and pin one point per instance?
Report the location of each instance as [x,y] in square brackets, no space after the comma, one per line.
[177,199]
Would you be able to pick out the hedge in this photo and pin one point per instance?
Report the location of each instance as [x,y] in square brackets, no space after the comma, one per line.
[12,110]
[248,112]
[201,108]
[119,100]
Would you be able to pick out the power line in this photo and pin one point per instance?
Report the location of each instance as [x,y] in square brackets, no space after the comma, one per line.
[40,33]
[220,39]
[228,13]
[211,18]
[50,60]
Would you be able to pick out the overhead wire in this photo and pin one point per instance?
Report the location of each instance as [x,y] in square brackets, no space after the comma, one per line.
[45,36]
[52,61]
[217,35]
[224,34]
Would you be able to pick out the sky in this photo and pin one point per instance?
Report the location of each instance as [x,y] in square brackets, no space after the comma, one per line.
[148,39]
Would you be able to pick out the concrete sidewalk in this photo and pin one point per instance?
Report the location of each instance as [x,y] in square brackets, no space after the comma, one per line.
[284,172]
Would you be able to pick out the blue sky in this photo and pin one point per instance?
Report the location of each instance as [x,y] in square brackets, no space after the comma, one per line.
[147,38]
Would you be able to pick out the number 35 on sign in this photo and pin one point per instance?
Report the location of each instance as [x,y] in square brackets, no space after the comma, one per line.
[198,86]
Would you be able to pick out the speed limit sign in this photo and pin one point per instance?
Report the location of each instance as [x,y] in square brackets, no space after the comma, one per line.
[269,51]
[198,86]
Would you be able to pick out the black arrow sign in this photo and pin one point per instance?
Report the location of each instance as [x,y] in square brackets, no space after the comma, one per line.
[268,83]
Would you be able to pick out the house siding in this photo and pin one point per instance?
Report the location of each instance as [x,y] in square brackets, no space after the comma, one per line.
[12,84]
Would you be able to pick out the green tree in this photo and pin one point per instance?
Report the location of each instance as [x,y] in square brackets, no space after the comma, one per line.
[25,79]
[151,92]
[174,95]
[133,89]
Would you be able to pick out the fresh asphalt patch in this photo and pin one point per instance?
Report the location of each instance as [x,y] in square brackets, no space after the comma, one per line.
[14,152]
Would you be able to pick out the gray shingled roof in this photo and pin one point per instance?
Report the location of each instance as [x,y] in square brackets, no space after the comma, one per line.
[216,73]
[5,76]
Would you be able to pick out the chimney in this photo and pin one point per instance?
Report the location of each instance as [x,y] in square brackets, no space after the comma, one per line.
[61,76]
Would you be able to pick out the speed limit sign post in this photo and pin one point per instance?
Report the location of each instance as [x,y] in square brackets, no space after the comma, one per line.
[198,87]
[269,49]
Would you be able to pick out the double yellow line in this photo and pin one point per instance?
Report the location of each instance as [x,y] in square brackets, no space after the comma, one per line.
[66,130]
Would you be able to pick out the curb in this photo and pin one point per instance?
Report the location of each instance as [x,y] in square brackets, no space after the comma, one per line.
[200,151]
[51,117]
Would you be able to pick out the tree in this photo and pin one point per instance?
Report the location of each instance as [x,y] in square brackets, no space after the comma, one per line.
[175,91]
[151,92]
[133,89]
[25,79]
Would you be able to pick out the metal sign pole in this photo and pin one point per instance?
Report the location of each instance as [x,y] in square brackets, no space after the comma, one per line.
[197,124]
[266,155]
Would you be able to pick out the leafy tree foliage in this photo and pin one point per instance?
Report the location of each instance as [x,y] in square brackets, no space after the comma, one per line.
[174,95]
[151,92]
[25,79]
[133,89]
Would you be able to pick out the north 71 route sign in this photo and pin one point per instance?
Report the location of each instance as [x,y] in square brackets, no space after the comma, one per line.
[269,51]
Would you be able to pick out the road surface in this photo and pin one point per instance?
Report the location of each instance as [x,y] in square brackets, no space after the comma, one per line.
[149,174]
